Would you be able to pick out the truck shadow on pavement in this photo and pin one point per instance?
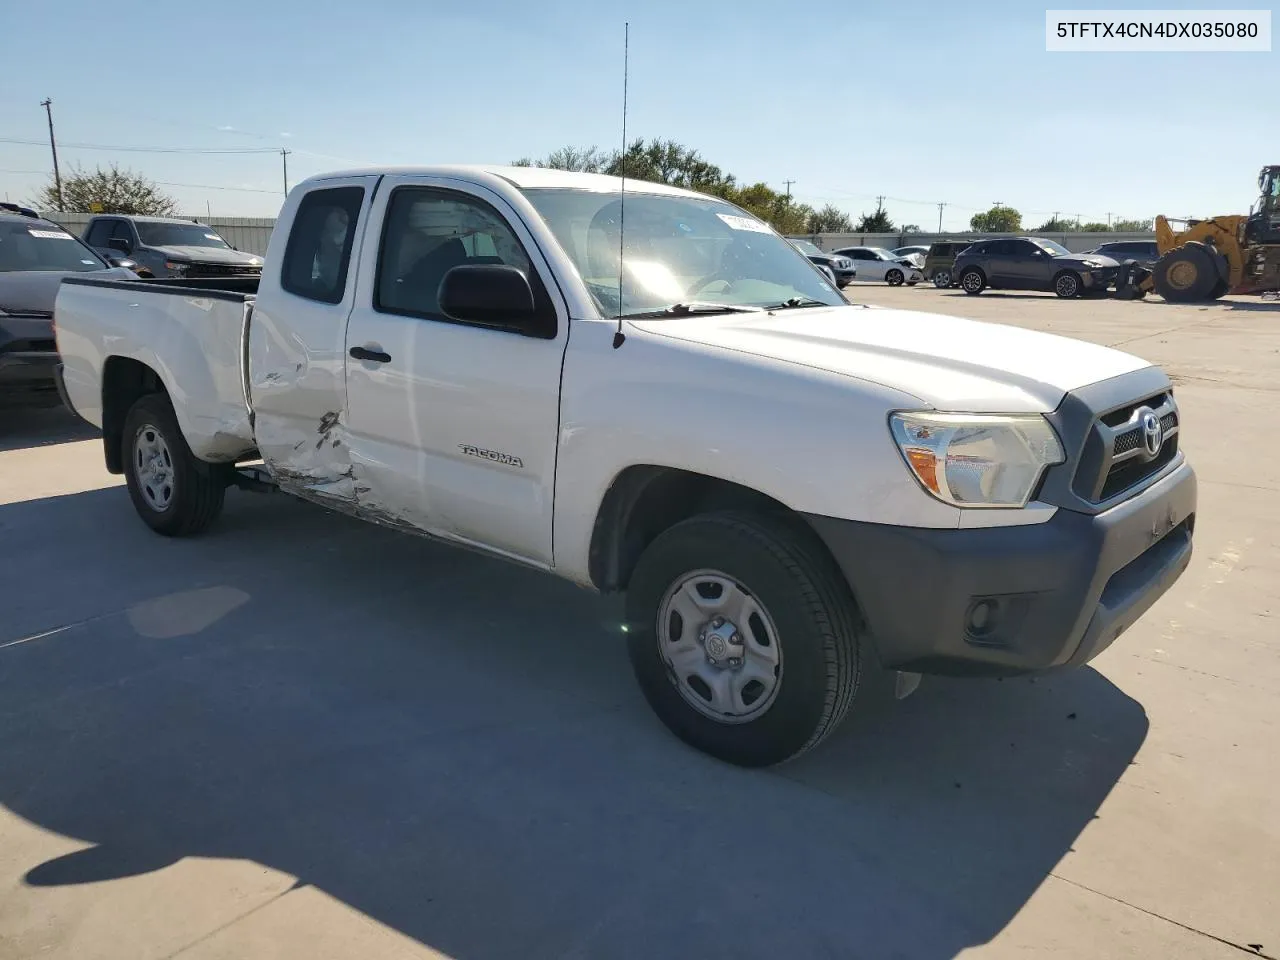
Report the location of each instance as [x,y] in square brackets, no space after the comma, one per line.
[28,426]
[455,748]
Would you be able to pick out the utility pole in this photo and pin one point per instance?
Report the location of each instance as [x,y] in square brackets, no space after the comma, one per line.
[788,183]
[1108,219]
[284,159]
[940,206]
[53,145]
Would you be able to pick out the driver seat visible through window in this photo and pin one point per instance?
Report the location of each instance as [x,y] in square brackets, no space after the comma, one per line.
[428,233]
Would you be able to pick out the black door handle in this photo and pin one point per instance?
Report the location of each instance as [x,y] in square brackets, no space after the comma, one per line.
[363,353]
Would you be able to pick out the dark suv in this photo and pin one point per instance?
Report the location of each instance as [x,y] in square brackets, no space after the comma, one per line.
[1146,252]
[938,261]
[842,269]
[35,254]
[1032,263]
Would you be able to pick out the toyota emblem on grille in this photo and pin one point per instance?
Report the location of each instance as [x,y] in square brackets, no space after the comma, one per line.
[1152,432]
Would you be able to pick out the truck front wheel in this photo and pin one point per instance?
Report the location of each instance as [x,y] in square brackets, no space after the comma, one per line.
[175,493]
[743,636]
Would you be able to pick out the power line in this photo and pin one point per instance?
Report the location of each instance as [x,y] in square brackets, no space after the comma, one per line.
[104,146]
[167,183]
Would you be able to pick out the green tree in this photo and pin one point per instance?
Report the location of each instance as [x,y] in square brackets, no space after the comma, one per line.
[1133,226]
[829,220]
[669,162]
[877,222]
[999,219]
[589,160]
[106,191]
[1093,226]
[911,228]
[1057,225]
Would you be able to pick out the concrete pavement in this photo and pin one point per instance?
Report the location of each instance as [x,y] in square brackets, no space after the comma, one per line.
[304,736]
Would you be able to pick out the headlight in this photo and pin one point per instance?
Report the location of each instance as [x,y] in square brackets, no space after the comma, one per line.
[971,460]
[178,266]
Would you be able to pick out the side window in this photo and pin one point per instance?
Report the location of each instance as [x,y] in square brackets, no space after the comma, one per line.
[318,254]
[427,233]
[1023,248]
[99,233]
[123,231]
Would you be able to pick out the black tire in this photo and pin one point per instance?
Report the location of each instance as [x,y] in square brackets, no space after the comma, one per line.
[942,278]
[894,277]
[195,490]
[786,571]
[1186,274]
[973,281]
[1068,285]
[1220,291]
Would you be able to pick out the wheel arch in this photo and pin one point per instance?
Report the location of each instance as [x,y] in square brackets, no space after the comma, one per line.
[644,500]
[124,381]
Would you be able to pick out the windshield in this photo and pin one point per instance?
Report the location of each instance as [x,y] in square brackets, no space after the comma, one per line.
[42,246]
[882,253]
[678,249]
[1056,249]
[158,234]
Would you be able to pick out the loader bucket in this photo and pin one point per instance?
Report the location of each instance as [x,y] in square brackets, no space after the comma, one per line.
[1130,281]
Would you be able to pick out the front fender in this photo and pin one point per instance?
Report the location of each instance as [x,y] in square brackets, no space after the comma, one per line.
[814,441]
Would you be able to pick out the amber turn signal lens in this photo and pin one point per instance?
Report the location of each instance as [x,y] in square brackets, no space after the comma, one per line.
[925,465]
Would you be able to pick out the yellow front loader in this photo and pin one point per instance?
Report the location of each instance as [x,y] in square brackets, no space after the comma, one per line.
[1211,258]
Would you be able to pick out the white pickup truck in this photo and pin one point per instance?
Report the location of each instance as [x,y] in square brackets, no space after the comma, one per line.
[648,390]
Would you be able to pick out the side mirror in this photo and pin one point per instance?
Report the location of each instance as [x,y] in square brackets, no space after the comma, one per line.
[121,244]
[490,294]
[123,262]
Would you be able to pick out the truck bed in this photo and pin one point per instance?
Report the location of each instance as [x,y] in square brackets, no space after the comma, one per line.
[191,332]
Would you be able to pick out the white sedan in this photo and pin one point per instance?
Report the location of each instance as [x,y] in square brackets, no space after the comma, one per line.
[877,263]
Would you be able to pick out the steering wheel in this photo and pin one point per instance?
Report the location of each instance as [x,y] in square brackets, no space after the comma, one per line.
[703,282]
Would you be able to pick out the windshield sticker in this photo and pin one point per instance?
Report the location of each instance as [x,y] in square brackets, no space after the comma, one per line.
[89,262]
[212,236]
[743,223]
[50,234]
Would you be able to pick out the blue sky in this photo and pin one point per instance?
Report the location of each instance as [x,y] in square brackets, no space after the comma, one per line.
[919,101]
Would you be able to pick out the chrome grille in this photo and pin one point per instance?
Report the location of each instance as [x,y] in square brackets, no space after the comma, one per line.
[1116,457]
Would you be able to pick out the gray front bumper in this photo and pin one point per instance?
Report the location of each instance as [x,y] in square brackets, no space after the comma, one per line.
[1009,600]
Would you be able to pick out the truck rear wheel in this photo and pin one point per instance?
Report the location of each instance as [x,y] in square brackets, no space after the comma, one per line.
[176,494]
[743,636]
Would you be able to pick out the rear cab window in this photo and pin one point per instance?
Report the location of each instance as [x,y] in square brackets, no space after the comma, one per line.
[317,257]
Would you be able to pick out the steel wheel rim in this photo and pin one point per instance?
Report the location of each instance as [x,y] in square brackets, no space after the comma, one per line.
[720,647]
[895,277]
[1067,286]
[971,281]
[153,468]
[942,278]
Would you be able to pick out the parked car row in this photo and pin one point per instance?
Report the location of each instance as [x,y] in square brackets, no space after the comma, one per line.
[1031,263]
[894,267]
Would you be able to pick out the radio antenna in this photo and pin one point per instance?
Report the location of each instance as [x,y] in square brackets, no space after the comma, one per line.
[618,336]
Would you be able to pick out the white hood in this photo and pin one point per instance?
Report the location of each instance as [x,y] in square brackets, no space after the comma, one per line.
[947,362]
